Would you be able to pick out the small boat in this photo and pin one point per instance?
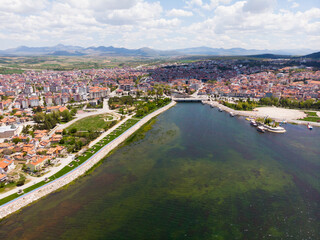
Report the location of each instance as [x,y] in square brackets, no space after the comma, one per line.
[309,126]
[253,123]
[220,110]
[261,129]
[231,114]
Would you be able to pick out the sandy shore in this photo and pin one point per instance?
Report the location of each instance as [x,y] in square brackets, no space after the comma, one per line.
[50,187]
[278,114]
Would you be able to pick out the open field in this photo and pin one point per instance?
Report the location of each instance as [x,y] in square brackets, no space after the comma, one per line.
[93,123]
[10,65]
[4,70]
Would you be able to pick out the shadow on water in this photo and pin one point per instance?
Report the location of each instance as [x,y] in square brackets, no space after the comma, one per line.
[195,174]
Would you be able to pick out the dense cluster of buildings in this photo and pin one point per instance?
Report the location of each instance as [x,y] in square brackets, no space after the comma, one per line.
[283,83]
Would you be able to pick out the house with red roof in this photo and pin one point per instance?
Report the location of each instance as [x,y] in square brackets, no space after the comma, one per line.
[6,165]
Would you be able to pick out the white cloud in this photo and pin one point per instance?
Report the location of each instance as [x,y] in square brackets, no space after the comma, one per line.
[259,6]
[102,5]
[162,23]
[295,5]
[179,13]
[192,3]
[211,4]
[215,3]
[260,27]
[142,11]
[22,6]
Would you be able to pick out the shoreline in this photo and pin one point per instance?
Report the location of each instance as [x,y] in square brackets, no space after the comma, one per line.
[256,114]
[38,193]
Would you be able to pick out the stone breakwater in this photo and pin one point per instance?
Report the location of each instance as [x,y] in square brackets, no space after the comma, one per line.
[50,187]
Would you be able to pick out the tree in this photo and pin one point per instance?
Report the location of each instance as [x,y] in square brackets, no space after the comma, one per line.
[39,117]
[26,129]
[140,113]
[37,109]
[21,180]
[66,116]
[73,130]
[16,140]
[73,111]
[14,111]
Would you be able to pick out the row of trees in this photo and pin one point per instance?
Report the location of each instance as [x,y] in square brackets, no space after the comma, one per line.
[145,108]
[125,100]
[241,105]
[50,120]
[290,103]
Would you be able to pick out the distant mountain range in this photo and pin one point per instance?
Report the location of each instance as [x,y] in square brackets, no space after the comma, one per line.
[63,50]
[315,55]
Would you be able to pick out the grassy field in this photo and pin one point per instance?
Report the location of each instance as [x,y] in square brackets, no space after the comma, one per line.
[93,123]
[65,63]
[312,117]
[4,70]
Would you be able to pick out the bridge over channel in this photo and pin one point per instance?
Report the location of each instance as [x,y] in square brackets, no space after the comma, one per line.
[190,99]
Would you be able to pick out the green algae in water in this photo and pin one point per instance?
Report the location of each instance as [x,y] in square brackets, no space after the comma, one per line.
[194,173]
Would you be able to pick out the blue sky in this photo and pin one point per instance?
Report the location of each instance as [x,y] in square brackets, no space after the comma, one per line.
[168,24]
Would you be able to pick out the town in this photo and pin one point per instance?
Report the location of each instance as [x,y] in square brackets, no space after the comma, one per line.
[40,110]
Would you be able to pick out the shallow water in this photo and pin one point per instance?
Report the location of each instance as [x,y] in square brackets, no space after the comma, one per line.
[197,174]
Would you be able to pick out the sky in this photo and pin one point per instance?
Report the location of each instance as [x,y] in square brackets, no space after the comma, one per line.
[167,24]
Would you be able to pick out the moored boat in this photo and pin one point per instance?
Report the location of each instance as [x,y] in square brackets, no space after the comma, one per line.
[274,129]
[309,126]
[261,129]
[231,114]
[253,123]
[220,110]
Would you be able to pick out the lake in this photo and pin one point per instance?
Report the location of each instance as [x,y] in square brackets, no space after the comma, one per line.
[192,173]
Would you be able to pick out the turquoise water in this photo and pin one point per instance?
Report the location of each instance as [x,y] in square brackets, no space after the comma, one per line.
[197,174]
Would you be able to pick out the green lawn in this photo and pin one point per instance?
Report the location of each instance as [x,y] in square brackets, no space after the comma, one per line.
[312,117]
[92,123]
[10,70]
[311,114]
